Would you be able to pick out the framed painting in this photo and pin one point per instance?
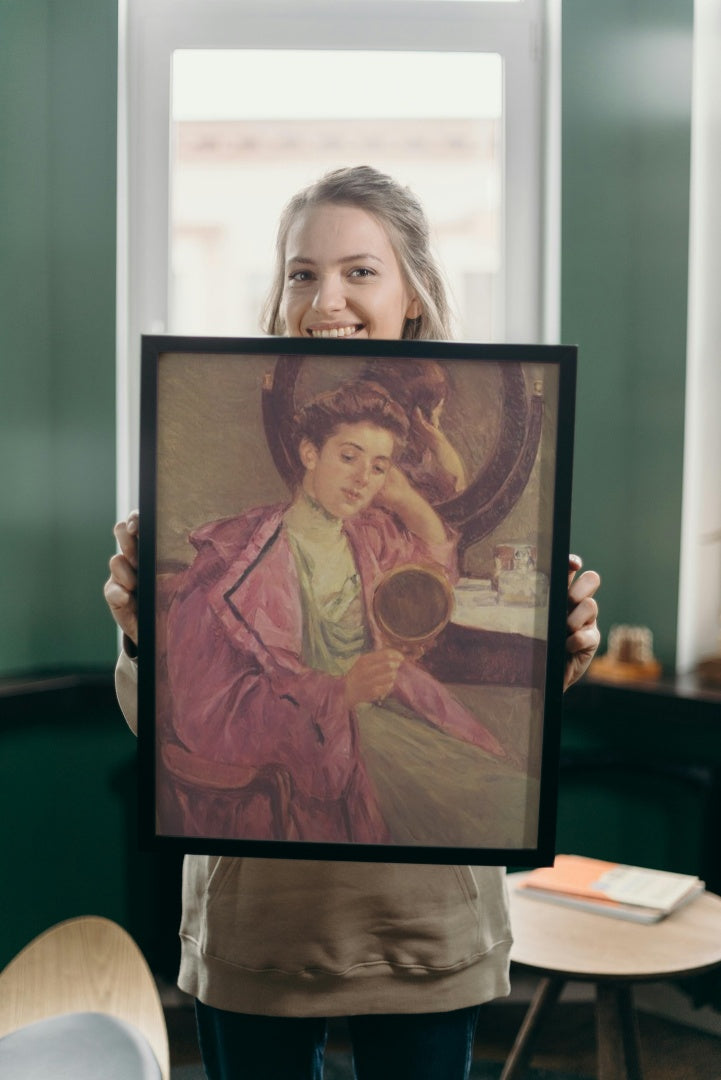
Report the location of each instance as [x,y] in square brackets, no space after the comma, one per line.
[352,597]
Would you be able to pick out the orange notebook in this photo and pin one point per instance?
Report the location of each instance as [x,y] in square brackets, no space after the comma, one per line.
[631,892]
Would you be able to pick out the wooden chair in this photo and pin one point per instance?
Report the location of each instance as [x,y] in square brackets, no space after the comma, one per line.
[83,985]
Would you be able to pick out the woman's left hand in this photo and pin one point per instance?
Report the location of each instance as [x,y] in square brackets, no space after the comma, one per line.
[396,492]
[418,516]
[582,633]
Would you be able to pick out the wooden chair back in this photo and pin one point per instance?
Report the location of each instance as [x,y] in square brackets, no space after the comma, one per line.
[86,964]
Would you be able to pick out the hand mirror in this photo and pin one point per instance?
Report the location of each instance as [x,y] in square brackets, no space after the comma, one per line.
[411,605]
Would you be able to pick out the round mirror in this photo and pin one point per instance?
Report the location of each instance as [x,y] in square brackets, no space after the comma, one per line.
[496,423]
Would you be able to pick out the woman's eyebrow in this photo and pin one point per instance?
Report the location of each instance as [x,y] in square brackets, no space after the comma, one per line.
[362,256]
[362,449]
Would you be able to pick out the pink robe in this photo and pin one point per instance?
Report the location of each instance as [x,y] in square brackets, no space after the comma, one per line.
[240,694]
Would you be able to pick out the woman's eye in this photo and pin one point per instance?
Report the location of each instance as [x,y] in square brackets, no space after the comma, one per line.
[300,276]
[362,272]
[380,469]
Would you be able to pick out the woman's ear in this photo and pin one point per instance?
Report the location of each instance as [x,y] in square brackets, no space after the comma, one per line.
[415,309]
[308,454]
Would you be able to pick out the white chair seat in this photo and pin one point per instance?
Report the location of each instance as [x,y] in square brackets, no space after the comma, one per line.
[78,1046]
[81,1002]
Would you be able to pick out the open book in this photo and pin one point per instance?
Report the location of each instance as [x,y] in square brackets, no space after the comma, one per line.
[608,888]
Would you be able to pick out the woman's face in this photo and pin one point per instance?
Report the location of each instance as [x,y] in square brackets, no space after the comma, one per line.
[349,470]
[342,277]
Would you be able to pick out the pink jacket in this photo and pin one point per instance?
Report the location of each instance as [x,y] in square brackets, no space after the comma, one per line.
[240,695]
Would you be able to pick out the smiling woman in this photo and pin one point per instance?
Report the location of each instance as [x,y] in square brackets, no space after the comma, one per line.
[331,287]
[353,259]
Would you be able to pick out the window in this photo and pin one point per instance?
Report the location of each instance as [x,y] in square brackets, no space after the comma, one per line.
[235,161]
[227,107]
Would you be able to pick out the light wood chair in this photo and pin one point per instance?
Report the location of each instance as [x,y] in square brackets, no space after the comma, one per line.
[86,965]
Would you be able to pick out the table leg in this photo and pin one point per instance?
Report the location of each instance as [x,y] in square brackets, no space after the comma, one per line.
[617,1033]
[545,997]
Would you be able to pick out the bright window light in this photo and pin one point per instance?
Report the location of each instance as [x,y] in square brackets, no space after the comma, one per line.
[238,156]
[220,84]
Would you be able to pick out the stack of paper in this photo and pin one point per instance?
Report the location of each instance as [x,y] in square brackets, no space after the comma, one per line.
[624,892]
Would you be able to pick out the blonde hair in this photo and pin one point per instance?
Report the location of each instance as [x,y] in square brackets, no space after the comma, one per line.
[402,216]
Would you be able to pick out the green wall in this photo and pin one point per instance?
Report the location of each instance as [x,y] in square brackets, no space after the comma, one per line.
[67,771]
[626,145]
[626,134]
[58,73]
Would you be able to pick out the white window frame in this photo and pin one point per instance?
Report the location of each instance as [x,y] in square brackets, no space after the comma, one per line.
[526,34]
[699,598]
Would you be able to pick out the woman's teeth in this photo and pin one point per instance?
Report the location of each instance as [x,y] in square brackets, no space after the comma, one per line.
[337,331]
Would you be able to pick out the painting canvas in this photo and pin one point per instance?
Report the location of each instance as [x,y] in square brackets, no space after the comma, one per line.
[352,598]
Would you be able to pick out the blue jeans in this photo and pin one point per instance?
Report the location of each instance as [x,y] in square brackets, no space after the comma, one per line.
[415,1046]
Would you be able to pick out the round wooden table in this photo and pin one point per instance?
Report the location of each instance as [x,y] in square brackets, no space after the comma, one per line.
[562,944]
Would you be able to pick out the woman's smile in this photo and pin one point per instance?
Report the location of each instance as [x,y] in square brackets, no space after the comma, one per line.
[335,331]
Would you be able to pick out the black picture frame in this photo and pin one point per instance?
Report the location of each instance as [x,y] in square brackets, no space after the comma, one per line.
[245,746]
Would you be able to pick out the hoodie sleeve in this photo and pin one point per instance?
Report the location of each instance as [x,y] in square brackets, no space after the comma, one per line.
[126,689]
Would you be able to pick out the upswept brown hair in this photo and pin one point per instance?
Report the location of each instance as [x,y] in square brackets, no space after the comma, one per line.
[410,382]
[402,216]
[350,403]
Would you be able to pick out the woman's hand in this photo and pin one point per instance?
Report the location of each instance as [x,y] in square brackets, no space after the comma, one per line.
[418,516]
[430,434]
[121,587]
[372,676]
[397,491]
[582,633]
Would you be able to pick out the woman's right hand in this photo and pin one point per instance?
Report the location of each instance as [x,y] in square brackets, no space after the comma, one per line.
[121,587]
[372,676]
[431,435]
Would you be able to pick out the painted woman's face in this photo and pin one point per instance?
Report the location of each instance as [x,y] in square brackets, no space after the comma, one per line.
[349,470]
[342,277]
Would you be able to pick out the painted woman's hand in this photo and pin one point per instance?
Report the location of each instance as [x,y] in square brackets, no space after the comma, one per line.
[372,676]
[582,633]
[397,491]
[121,587]
[431,434]
[418,516]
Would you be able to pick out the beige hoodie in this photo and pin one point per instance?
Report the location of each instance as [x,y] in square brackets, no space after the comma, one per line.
[287,937]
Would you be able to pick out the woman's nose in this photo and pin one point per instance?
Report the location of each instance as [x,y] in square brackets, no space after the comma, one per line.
[329,295]
[362,472]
